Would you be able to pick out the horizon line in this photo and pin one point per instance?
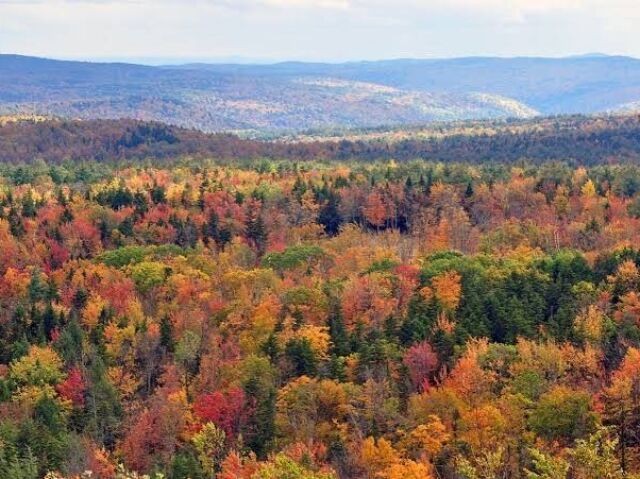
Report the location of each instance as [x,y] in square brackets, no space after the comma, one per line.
[160,61]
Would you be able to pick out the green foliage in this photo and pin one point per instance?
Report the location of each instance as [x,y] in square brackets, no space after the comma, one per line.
[302,356]
[489,465]
[283,467]
[210,444]
[546,467]
[121,257]
[528,383]
[384,265]
[595,457]
[259,384]
[186,465]
[40,367]
[148,275]
[506,299]
[70,343]
[18,466]
[131,255]
[104,408]
[188,350]
[634,207]
[563,414]
[47,435]
[293,257]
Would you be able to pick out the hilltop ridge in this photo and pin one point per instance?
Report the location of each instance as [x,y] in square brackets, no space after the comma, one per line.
[297,96]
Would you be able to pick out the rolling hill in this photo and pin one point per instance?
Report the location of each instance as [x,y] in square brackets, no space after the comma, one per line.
[216,100]
[303,96]
[584,84]
[579,139]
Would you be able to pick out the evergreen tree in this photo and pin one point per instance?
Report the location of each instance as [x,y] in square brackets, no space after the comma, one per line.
[15,223]
[256,233]
[302,357]
[338,331]
[329,216]
[28,206]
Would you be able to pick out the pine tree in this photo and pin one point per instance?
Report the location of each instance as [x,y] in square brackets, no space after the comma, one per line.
[211,229]
[329,216]
[256,233]
[302,357]
[469,191]
[337,330]
[28,206]
[166,334]
[15,223]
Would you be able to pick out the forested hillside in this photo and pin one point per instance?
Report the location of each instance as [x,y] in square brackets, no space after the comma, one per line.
[319,239]
[315,321]
[582,140]
[221,100]
[581,84]
[299,96]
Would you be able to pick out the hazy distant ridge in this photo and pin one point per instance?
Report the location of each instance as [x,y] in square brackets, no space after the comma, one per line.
[295,95]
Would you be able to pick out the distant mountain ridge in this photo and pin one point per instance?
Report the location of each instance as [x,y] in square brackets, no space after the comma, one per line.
[301,96]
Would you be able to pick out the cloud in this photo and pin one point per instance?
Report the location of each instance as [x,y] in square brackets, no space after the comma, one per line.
[195,3]
[391,7]
[495,8]
[309,3]
[317,29]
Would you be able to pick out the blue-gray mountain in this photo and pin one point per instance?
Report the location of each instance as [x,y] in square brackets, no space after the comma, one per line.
[301,96]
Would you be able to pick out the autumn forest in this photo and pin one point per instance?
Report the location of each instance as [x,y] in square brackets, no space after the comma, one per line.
[307,320]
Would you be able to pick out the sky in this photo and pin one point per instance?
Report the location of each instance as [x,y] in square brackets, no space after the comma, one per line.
[158,31]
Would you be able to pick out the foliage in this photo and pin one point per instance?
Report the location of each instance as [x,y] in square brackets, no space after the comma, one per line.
[284,468]
[284,319]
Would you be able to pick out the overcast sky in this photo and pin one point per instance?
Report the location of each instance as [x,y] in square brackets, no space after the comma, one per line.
[332,30]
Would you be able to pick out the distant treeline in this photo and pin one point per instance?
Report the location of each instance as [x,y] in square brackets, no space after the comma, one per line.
[581,140]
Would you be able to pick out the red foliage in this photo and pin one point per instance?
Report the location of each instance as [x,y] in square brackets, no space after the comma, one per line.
[375,209]
[421,361]
[233,467]
[58,254]
[99,463]
[73,387]
[82,237]
[118,291]
[140,443]
[408,276]
[226,410]
[155,436]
